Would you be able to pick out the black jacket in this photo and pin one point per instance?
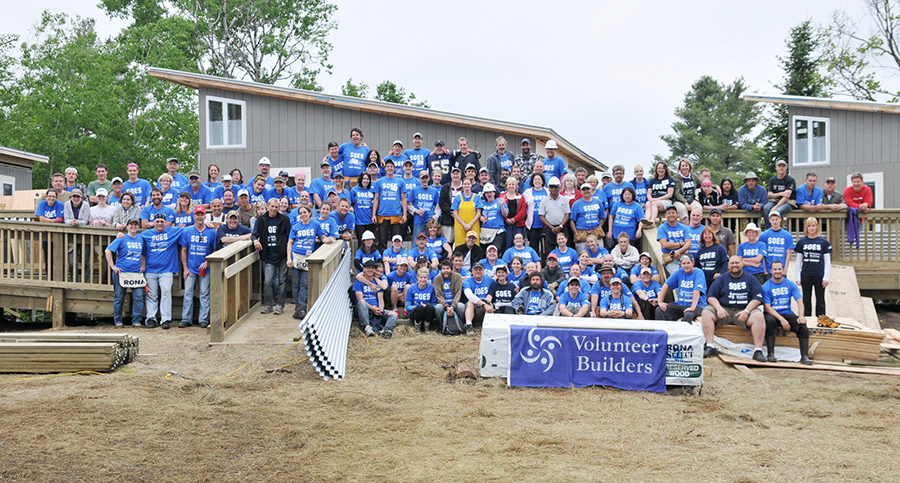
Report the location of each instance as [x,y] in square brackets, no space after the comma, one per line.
[282,235]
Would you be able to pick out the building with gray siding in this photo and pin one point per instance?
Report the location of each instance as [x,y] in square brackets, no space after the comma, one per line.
[241,122]
[834,137]
[15,169]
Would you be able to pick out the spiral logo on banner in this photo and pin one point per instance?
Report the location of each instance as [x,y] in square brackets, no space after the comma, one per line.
[540,349]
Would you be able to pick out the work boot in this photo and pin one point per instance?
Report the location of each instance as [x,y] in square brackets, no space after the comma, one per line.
[758,356]
[709,351]
[804,352]
[770,349]
[279,309]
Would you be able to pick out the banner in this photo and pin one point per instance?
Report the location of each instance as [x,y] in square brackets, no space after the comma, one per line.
[563,357]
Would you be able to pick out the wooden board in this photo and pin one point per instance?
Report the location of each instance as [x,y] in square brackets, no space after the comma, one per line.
[833,344]
[815,367]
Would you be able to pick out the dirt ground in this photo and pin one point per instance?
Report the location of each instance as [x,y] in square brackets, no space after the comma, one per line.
[397,417]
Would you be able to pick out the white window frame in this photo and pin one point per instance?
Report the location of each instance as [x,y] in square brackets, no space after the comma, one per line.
[810,120]
[7,180]
[225,102]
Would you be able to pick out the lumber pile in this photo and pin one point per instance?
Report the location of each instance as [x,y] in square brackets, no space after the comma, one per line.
[851,341]
[47,352]
[891,344]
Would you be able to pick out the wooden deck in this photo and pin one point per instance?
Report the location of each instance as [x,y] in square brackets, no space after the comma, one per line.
[267,329]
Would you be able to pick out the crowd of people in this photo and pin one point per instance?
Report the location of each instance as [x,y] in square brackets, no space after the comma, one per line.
[521,234]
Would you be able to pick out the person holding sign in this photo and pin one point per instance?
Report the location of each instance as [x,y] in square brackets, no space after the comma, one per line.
[734,299]
[129,270]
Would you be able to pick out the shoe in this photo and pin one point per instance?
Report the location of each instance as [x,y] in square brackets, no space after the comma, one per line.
[150,323]
[804,352]
[204,325]
[758,356]
[369,332]
[184,324]
[647,222]
[267,309]
[386,334]
[302,314]
[119,325]
[165,325]
[297,312]
[136,325]
[418,327]
[710,351]
[425,327]
[279,309]
[470,330]
[770,349]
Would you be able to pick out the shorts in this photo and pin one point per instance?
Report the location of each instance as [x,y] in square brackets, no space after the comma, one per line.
[395,220]
[732,317]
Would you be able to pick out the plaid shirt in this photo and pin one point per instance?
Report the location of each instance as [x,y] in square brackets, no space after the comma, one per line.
[527,164]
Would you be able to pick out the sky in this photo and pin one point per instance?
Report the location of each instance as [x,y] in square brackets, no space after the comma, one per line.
[606,75]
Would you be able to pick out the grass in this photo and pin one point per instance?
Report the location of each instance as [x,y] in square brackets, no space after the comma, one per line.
[399,417]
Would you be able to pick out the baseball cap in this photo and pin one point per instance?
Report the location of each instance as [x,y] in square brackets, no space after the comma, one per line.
[403,261]
[264,161]
[455,168]
[775,213]
[243,193]
[606,268]
[70,168]
[102,192]
[751,226]
[525,141]
[159,216]
[372,163]
[606,175]
[646,270]
[781,162]
[172,160]
[574,281]
[397,142]
[615,280]
[830,179]
[554,181]
[194,174]
[422,258]
[472,233]
[470,165]
[645,254]
[421,235]
[553,256]
[324,163]
[408,161]
[418,134]
[332,144]
[338,175]
[76,192]
[483,169]
[368,235]
[226,177]
[423,174]
[370,263]
[116,180]
[501,266]
[135,221]
[586,186]
[477,265]
[491,247]
[199,209]
[278,179]
[671,207]
[184,194]
[714,211]
[439,143]
[232,214]
[551,144]
[396,238]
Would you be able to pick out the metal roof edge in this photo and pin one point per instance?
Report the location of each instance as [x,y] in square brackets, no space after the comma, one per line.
[825,102]
[40,158]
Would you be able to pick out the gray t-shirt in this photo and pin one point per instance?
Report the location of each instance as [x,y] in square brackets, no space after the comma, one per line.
[554,210]
[725,236]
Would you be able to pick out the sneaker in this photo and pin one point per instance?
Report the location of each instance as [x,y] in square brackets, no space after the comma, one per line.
[470,330]
[204,325]
[119,325]
[279,309]
[758,356]
[184,324]
[302,314]
[267,309]
[136,325]
[150,323]
[418,327]
[710,351]
[165,325]
[369,332]
[386,334]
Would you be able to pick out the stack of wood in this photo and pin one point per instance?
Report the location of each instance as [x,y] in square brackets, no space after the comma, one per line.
[891,344]
[47,352]
[851,341]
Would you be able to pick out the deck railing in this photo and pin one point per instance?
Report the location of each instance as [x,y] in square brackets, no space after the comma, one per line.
[235,282]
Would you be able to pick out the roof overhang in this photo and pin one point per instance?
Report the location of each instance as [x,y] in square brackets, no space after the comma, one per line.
[825,102]
[537,133]
[23,158]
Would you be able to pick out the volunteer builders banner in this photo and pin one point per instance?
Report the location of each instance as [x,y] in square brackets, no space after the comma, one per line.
[563,357]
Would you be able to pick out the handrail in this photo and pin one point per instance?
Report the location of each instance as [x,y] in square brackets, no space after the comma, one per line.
[234,285]
[322,263]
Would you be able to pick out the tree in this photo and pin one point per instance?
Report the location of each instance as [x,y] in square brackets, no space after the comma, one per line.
[354,90]
[263,40]
[81,101]
[7,78]
[802,77]
[861,62]
[715,128]
[389,92]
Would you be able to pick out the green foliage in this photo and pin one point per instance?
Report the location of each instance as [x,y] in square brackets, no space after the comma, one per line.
[354,90]
[7,78]
[389,92]
[83,101]
[306,79]
[860,62]
[715,129]
[263,40]
[802,77]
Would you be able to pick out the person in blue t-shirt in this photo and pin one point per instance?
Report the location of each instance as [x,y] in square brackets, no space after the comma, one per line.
[389,204]
[616,305]
[695,230]
[573,302]
[302,239]
[587,214]
[179,181]
[393,254]
[200,195]
[640,184]
[777,295]
[227,185]
[673,238]
[327,226]
[809,196]
[398,281]
[362,197]
[613,190]
[344,219]
[565,255]
[417,155]
[625,217]
[690,286]
[279,191]
[423,200]
[148,213]
[370,305]
[493,214]
[232,230]
[353,155]
[646,292]
[138,187]
[196,243]
[779,242]
[476,289]
[554,166]
[734,299]
[421,249]
[160,250]
[49,210]
[753,252]
[526,254]
[128,250]
[420,302]
[257,191]
[320,186]
[367,251]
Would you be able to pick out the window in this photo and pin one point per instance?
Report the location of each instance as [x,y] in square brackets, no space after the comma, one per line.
[7,185]
[875,182]
[811,140]
[226,123]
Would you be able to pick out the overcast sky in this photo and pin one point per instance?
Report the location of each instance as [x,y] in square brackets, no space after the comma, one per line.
[606,75]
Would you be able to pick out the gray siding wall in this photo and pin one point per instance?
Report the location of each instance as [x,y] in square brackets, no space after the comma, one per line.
[296,134]
[21,175]
[868,142]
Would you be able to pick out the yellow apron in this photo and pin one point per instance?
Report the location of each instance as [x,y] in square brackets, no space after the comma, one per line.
[467,212]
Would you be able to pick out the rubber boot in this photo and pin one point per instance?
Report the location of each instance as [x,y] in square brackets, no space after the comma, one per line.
[770,349]
[804,352]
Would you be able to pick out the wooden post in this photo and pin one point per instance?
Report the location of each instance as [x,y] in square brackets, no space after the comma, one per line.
[59,308]
[216,299]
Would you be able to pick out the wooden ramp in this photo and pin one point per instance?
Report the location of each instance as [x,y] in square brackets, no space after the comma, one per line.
[265,328]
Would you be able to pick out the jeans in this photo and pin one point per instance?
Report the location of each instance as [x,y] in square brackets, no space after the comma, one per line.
[274,280]
[300,282]
[767,208]
[416,230]
[676,312]
[511,231]
[137,302]
[187,307]
[378,322]
[157,282]
[459,315]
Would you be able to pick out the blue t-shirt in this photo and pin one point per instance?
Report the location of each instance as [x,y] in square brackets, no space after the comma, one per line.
[567,259]
[161,249]
[581,299]
[651,290]
[601,290]
[425,200]
[779,295]
[128,251]
[304,237]
[292,195]
[348,223]
[636,270]
[475,198]
[813,251]
[212,186]
[777,244]
[694,233]
[400,282]
[170,197]
[362,204]
[533,302]
[398,164]
[148,212]
[538,196]
[140,189]
[184,219]
[370,296]
[219,192]
[685,284]
[622,303]
[587,214]
[626,218]
[674,234]
[613,192]
[389,192]
[179,183]
[480,289]
[527,254]
[202,197]
[257,197]
[365,257]
[420,296]
[804,197]
[437,245]
[390,253]
[328,227]
[746,250]
[410,184]
[736,292]
[493,213]
[712,260]
[113,200]
[640,190]
[516,279]
[45,210]
[599,253]
[554,167]
[321,187]
[417,156]
[224,232]
[352,159]
[199,244]
[415,253]
[490,267]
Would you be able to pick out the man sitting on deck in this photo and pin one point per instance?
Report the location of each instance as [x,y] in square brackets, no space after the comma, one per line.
[734,300]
